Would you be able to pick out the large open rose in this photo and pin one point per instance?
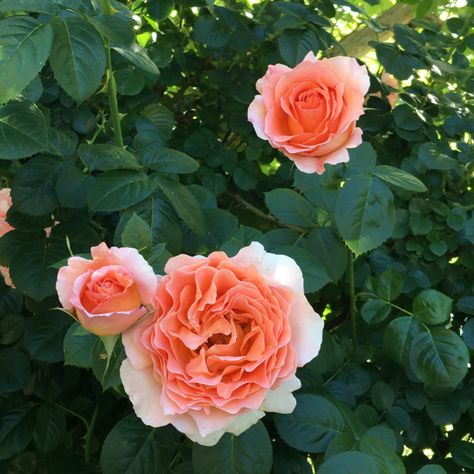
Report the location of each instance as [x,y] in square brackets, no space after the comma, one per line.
[108,293]
[309,112]
[223,344]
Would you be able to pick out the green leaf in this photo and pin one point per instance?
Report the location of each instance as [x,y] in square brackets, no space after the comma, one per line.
[129,81]
[432,307]
[399,178]
[23,130]
[314,273]
[350,462]
[136,233]
[365,213]
[138,56]
[398,338]
[468,333]
[15,370]
[210,31]
[330,251]
[294,45]
[382,396]
[12,326]
[115,190]
[106,369]
[184,203]
[389,284]
[312,425]
[167,160]
[289,461]
[439,358]
[375,311]
[30,268]
[116,28]
[448,410]
[159,117]
[434,159]
[36,6]
[362,160]
[33,188]
[50,427]
[463,453]
[106,157]
[44,335]
[291,207]
[25,44]
[248,453]
[431,469]
[77,56]
[71,187]
[78,346]
[134,448]
[16,430]
[378,450]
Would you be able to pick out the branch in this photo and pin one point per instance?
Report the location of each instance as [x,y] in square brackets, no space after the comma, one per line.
[356,44]
[267,217]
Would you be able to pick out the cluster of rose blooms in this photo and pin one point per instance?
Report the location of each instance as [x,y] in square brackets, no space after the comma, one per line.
[215,342]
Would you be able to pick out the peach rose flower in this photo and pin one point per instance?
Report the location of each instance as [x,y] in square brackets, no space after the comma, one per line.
[309,112]
[223,345]
[5,204]
[108,293]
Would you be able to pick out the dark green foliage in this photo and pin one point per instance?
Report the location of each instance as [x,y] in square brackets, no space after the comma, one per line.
[386,237]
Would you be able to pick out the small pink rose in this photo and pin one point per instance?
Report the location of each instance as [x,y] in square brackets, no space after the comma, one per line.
[223,344]
[108,293]
[309,112]
[5,204]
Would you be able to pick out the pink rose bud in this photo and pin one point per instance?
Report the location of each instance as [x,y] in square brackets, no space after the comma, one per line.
[108,293]
[309,112]
[223,344]
[5,204]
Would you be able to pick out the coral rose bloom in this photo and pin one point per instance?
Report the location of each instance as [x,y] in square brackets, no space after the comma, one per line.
[309,112]
[223,345]
[108,293]
[5,204]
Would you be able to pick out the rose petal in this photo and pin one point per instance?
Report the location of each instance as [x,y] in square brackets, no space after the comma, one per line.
[279,268]
[256,115]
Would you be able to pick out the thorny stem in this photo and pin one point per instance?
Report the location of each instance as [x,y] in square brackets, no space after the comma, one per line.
[112,85]
[267,217]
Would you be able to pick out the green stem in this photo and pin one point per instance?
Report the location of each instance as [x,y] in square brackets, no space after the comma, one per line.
[112,85]
[88,436]
[352,308]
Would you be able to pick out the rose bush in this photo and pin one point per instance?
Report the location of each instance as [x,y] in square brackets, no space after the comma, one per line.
[223,345]
[124,128]
[310,112]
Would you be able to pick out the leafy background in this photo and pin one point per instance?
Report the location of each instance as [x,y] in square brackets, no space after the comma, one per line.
[385,242]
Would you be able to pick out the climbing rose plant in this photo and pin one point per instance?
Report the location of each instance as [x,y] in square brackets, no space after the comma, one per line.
[234,239]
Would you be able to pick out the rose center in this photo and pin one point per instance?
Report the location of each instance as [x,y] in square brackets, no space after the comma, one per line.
[309,100]
[218,338]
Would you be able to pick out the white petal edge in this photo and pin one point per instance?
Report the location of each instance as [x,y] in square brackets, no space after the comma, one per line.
[144,393]
[278,268]
[256,115]
[306,330]
[281,399]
